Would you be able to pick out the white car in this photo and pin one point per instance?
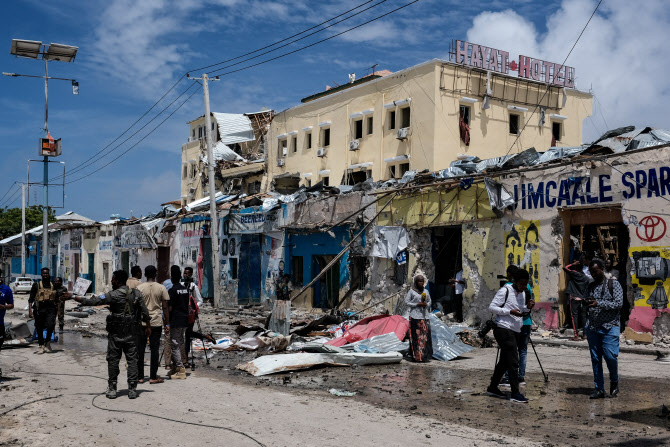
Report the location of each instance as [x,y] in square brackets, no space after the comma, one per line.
[21,285]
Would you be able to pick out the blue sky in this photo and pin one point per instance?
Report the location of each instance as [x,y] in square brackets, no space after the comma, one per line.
[131,52]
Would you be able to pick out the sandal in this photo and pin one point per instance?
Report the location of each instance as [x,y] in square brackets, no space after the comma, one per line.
[155,381]
[140,381]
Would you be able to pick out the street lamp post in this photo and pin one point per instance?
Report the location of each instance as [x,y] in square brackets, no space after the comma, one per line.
[65,53]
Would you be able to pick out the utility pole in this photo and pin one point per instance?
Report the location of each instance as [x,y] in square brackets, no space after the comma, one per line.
[213,216]
[45,211]
[23,229]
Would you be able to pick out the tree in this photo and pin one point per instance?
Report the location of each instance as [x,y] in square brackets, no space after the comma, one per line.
[10,219]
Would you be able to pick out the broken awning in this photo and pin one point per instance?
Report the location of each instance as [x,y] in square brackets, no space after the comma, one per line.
[234,128]
[271,364]
[389,241]
[371,326]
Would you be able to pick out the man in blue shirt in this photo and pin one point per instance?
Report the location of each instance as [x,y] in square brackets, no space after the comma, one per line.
[6,303]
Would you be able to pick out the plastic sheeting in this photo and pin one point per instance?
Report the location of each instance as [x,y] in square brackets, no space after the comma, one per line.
[389,241]
[371,326]
[271,364]
[499,197]
[379,343]
[446,344]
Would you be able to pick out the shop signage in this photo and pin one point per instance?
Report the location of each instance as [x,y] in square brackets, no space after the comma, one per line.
[136,236]
[252,223]
[638,184]
[486,58]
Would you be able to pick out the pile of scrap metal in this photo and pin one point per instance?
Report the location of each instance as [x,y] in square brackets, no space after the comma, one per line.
[20,334]
[376,340]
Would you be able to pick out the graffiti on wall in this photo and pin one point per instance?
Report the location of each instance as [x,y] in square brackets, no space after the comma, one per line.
[522,248]
[651,276]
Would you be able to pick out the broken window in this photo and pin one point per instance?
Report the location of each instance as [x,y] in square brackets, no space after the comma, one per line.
[296,271]
[254,188]
[233,268]
[370,124]
[464,111]
[513,123]
[556,130]
[355,177]
[326,181]
[400,270]
[392,169]
[294,144]
[308,138]
[358,129]
[403,167]
[405,117]
[359,274]
[392,120]
[283,150]
[326,137]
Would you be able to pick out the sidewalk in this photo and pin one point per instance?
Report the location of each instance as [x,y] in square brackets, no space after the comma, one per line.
[583,344]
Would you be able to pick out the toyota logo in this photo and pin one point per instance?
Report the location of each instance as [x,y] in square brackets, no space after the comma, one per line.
[651,229]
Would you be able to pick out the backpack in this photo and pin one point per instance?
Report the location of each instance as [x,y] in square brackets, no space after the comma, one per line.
[193,308]
[610,287]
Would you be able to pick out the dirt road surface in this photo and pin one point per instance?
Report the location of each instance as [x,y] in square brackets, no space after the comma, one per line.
[406,404]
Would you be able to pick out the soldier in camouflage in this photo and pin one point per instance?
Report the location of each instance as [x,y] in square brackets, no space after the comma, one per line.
[127,311]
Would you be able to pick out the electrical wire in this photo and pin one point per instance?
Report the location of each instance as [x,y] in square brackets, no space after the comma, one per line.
[317,42]
[92,161]
[138,142]
[549,85]
[302,38]
[10,188]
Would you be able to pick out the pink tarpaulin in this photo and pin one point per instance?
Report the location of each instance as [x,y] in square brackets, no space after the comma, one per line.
[371,326]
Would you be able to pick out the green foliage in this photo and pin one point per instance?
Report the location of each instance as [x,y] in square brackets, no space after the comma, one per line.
[10,219]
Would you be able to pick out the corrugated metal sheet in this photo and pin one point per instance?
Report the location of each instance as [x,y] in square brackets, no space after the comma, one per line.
[446,344]
[556,153]
[234,128]
[223,152]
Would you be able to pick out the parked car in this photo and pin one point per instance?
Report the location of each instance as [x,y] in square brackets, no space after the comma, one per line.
[21,285]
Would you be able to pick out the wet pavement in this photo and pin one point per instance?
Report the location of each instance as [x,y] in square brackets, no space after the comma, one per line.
[559,412]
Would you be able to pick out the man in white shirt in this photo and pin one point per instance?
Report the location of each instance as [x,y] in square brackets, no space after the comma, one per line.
[509,305]
[194,291]
[459,286]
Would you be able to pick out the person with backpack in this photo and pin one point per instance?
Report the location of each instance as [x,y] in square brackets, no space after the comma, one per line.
[604,302]
[509,306]
[156,299]
[126,313]
[43,303]
[178,311]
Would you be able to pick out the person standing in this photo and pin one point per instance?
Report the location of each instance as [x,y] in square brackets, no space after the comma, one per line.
[135,277]
[126,313]
[6,303]
[43,303]
[63,295]
[178,311]
[577,290]
[524,335]
[459,286]
[156,299]
[605,298]
[167,350]
[194,292]
[420,339]
[509,305]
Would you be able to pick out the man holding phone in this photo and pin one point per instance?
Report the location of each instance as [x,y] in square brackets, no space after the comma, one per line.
[604,302]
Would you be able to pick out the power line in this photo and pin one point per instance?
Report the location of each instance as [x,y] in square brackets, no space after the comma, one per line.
[91,160]
[138,142]
[549,85]
[10,188]
[234,71]
[318,42]
[283,40]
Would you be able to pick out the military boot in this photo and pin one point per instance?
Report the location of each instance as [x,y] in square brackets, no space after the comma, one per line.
[173,371]
[47,348]
[181,373]
[111,390]
[132,391]
[40,350]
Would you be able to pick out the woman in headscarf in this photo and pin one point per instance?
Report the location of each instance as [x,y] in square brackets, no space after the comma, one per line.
[420,341]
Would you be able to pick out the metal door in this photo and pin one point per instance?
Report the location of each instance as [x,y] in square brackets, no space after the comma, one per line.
[249,283]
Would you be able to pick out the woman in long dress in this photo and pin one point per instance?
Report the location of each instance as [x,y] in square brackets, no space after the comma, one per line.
[420,340]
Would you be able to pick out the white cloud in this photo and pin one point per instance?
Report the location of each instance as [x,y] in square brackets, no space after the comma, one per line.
[620,55]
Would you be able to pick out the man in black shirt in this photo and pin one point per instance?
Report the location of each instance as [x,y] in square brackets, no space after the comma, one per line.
[178,311]
[43,303]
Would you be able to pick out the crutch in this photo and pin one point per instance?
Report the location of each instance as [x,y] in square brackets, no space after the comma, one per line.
[546,376]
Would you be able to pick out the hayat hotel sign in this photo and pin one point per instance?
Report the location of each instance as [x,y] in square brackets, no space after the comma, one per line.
[492,59]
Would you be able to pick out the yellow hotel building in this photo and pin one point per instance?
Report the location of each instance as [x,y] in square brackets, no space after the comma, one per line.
[382,125]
